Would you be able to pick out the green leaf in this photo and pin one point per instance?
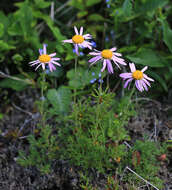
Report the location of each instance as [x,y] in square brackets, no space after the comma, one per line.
[127,7]
[95,17]
[60,99]
[167,34]
[17,85]
[1,29]
[5,46]
[148,57]
[49,22]
[82,77]
[42,4]
[92,2]
[149,5]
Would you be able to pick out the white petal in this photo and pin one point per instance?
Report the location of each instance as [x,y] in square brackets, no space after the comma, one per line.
[81,30]
[76,30]
[132,67]
[144,69]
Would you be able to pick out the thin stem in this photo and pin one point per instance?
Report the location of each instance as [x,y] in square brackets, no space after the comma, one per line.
[129,102]
[42,99]
[76,61]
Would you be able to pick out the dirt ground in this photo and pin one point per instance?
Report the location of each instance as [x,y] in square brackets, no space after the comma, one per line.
[20,119]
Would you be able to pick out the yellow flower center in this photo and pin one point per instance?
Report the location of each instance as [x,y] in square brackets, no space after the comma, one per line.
[44,58]
[137,75]
[107,54]
[77,39]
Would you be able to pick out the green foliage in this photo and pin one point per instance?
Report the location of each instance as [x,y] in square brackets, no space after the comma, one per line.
[82,77]
[17,82]
[60,100]
[146,163]
[97,135]
[42,150]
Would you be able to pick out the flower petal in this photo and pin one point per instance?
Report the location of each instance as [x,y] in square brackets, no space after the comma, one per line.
[148,78]
[113,49]
[52,54]
[76,49]
[94,59]
[132,67]
[67,41]
[126,83]
[44,49]
[126,75]
[76,30]
[144,85]
[94,53]
[144,69]
[81,30]
[104,65]
[56,63]
[109,66]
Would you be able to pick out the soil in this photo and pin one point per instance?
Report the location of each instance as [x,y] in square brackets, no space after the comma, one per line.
[20,119]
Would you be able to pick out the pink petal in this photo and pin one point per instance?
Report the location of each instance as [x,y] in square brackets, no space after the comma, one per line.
[44,49]
[81,31]
[34,61]
[38,66]
[119,60]
[115,62]
[56,63]
[76,49]
[126,75]
[76,30]
[109,66]
[94,53]
[146,82]
[52,54]
[113,49]
[138,86]
[94,59]
[118,54]
[144,69]
[104,65]
[126,83]
[144,85]
[87,36]
[132,67]
[55,59]
[148,78]
[51,67]
[67,41]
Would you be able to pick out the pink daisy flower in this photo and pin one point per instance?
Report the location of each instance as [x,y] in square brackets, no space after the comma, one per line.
[141,79]
[79,40]
[107,55]
[44,59]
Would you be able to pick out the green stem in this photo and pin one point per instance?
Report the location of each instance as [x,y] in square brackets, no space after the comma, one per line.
[76,61]
[129,102]
[42,99]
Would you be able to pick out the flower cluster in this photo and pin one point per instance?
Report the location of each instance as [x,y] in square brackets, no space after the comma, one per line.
[107,56]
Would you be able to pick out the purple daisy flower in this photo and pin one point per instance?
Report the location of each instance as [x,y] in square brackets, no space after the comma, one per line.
[107,55]
[44,59]
[79,40]
[141,79]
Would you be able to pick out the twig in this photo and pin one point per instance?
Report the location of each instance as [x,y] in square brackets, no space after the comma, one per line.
[147,182]
[61,7]
[127,144]
[20,109]
[52,11]
[3,75]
